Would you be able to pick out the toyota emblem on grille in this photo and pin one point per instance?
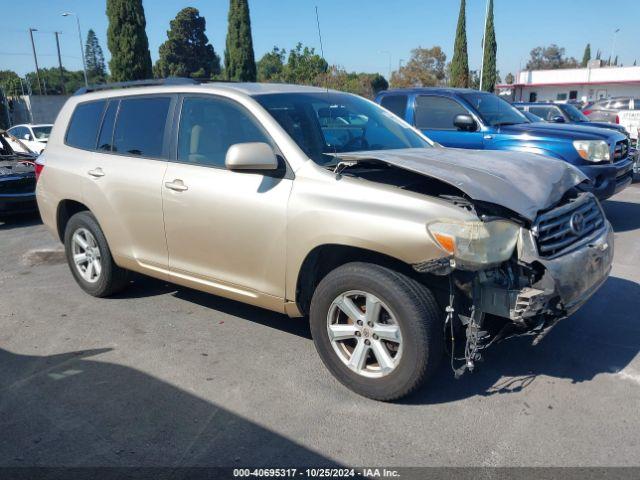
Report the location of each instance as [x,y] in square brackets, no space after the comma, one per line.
[576,224]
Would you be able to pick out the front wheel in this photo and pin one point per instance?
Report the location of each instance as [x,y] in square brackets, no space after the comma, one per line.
[378,331]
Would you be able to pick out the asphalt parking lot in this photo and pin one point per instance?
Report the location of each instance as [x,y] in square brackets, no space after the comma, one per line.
[166,376]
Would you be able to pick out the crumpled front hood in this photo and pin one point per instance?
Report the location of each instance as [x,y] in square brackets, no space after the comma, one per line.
[522,182]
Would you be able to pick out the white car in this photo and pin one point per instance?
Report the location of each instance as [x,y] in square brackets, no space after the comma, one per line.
[33,136]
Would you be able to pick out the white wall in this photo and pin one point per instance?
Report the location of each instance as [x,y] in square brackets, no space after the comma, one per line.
[585,92]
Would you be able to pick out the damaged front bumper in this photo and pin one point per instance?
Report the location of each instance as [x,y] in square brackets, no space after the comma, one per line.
[562,286]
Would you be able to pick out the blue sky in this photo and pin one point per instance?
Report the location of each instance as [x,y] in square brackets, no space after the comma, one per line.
[359,35]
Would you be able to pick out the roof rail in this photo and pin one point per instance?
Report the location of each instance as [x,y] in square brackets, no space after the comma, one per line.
[138,83]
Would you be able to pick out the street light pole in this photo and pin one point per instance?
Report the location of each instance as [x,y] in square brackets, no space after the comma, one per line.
[613,46]
[84,64]
[389,54]
[35,58]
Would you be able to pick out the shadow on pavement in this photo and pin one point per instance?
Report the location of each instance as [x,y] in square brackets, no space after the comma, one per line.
[69,410]
[601,338]
[624,216]
[20,221]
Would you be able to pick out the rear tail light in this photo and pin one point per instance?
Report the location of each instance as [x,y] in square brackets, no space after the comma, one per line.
[618,119]
[38,169]
[587,112]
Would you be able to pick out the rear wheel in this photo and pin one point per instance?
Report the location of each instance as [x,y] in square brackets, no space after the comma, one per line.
[90,259]
[378,331]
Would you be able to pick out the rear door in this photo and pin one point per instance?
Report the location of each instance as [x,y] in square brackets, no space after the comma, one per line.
[434,116]
[124,176]
[225,229]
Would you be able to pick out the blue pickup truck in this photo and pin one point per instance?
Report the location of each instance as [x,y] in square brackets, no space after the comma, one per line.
[464,118]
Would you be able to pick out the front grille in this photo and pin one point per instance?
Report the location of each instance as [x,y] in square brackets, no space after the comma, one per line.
[621,151]
[559,229]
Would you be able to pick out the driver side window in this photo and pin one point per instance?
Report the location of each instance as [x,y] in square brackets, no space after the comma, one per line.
[437,113]
[210,126]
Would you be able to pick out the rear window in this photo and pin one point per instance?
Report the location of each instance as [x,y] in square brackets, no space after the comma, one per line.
[83,128]
[395,104]
[140,126]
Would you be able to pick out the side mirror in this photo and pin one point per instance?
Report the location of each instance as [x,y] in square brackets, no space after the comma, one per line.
[251,156]
[27,136]
[558,119]
[465,123]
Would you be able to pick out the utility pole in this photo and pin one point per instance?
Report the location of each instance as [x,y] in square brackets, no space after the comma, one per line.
[62,89]
[484,41]
[35,58]
[84,63]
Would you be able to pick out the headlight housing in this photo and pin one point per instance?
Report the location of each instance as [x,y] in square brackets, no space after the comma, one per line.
[475,244]
[593,150]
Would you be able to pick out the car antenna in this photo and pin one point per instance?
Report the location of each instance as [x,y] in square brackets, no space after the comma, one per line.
[338,168]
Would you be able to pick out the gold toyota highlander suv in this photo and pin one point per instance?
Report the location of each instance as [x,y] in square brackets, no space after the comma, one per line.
[324,205]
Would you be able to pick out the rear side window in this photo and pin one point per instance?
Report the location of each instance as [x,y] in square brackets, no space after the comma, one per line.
[395,104]
[140,126]
[437,113]
[83,128]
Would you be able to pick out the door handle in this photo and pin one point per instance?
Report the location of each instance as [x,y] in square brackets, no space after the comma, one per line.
[97,172]
[177,185]
[488,137]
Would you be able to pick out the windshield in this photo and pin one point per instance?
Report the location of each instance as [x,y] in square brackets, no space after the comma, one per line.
[41,133]
[574,114]
[325,124]
[493,110]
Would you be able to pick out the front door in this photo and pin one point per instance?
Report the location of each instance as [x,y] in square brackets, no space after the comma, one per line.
[225,230]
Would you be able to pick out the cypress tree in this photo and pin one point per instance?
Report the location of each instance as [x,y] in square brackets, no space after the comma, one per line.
[586,57]
[460,61]
[96,68]
[187,51]
[127,41]
[239,60]
[490,73]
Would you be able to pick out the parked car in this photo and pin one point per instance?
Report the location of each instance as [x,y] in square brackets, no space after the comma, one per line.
[34,136]
[466,118]
[313,202]
[606,110]
[533,118]
[566,113]
[17,180]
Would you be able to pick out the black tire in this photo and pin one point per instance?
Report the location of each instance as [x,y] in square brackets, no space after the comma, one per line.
[112,278]
[416,312]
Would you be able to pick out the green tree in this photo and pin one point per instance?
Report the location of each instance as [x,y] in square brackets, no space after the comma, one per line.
[187,51]
[96,68]
[239,60]
[271,66]
[364,84]
[425,68]
[50,80]
[304,65]
[586,57]
[510,78]
[460,60]
[550,58]
[10,83]
[490,72]
[127,41]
